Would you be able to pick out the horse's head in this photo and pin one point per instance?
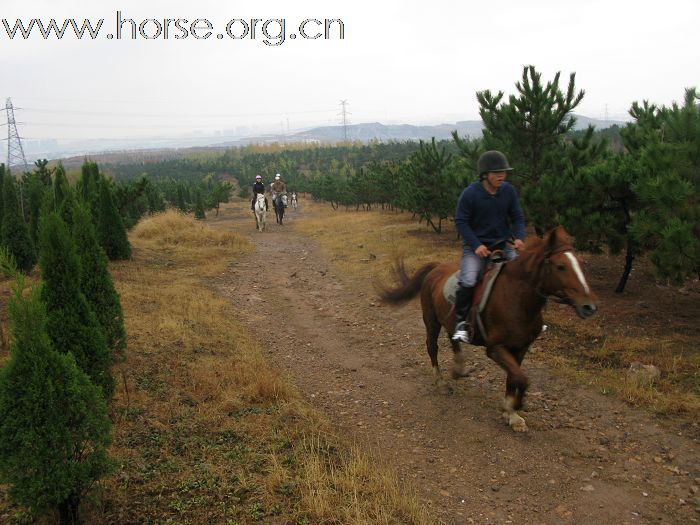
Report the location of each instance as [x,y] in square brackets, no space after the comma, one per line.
[563,275]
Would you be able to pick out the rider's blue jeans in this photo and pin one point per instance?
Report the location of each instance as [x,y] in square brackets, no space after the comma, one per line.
[472,265]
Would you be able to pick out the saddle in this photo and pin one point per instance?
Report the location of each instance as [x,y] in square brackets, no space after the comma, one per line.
[482,292]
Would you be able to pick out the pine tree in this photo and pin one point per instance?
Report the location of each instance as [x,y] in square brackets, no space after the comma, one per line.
[87,187]
[43,171]
[110,228]
[531,129]
[14,233]
[645,200]
[427,188]
[54,426]
[180,199]
[61,187]
[37,195]
[218,194]
[199,206]
[72,325]
[602,206]
[95,280]
[668,226]
[156,203]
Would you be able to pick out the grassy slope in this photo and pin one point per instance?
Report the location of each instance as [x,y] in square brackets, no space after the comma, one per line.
[205,431]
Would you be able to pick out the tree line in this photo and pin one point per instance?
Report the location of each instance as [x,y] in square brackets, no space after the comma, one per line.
[65,330]
[631,190]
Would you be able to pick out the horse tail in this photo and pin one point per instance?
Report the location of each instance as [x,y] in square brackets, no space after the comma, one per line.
[408,287]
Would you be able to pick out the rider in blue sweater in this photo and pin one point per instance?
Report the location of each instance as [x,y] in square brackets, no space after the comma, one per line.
[487,211]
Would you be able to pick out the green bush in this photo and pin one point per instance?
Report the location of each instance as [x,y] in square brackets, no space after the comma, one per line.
[95,280]
[72,325]
[54,428]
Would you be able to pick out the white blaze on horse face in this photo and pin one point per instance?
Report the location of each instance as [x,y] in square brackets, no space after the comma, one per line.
[577,270]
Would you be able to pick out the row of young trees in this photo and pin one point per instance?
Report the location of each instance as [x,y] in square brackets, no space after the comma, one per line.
[634,191]
[640,198]
[301,165]
[55,387]
[23,202]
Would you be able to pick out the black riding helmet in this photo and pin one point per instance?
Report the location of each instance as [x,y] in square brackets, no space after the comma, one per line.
[492,161]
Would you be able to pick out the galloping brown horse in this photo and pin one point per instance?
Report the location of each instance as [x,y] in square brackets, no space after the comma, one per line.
[512,318]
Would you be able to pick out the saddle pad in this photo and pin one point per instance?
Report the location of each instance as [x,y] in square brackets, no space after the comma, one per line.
[449,290]
[482,289]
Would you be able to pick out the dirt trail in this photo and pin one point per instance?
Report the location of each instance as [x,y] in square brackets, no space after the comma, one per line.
[587,459]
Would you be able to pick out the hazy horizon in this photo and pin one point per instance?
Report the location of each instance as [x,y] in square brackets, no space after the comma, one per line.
[397,62]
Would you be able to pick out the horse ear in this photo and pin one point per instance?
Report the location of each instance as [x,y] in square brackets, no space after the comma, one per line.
[555,238]
[551,240]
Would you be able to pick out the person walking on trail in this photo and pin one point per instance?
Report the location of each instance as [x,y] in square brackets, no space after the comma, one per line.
[258,187]
[279,189]
[488,211]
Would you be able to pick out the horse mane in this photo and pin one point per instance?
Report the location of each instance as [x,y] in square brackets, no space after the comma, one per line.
[537,249]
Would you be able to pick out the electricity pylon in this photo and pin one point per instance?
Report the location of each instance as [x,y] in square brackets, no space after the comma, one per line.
[344,121]
[15,152]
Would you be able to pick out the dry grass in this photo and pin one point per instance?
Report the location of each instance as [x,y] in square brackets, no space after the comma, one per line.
[589,354]
[342,486]
[365,244]
[597,352]
[206,430]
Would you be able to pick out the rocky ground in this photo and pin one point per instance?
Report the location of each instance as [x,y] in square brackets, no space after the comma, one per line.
[587,458]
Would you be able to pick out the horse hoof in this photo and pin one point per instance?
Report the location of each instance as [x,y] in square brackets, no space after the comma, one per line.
[519,426]
[444,389]
[515,422]
[463,372]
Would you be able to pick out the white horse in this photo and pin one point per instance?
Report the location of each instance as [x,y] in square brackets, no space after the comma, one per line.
[294,200]
[260,212]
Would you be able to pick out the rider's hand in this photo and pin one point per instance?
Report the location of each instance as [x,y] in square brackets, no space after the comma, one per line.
[518,244]
[482,251]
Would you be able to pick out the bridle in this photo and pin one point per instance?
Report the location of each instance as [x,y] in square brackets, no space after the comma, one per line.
[560,297]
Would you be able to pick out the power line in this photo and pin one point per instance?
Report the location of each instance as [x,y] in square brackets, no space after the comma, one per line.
[168,114]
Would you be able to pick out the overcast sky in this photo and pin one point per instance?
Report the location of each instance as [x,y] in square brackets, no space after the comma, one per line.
[399,62]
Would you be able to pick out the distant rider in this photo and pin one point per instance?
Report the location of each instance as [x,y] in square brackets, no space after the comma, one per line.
[258,187]
[279,188]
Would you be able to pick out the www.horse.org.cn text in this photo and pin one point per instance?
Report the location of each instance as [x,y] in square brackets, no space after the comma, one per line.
[270,31]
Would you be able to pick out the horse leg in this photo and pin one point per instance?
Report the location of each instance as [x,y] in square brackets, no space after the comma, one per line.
[459,361]
[432,331]
[516,385]
[519,355]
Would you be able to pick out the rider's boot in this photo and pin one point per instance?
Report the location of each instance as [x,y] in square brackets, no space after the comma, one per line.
[463,302]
